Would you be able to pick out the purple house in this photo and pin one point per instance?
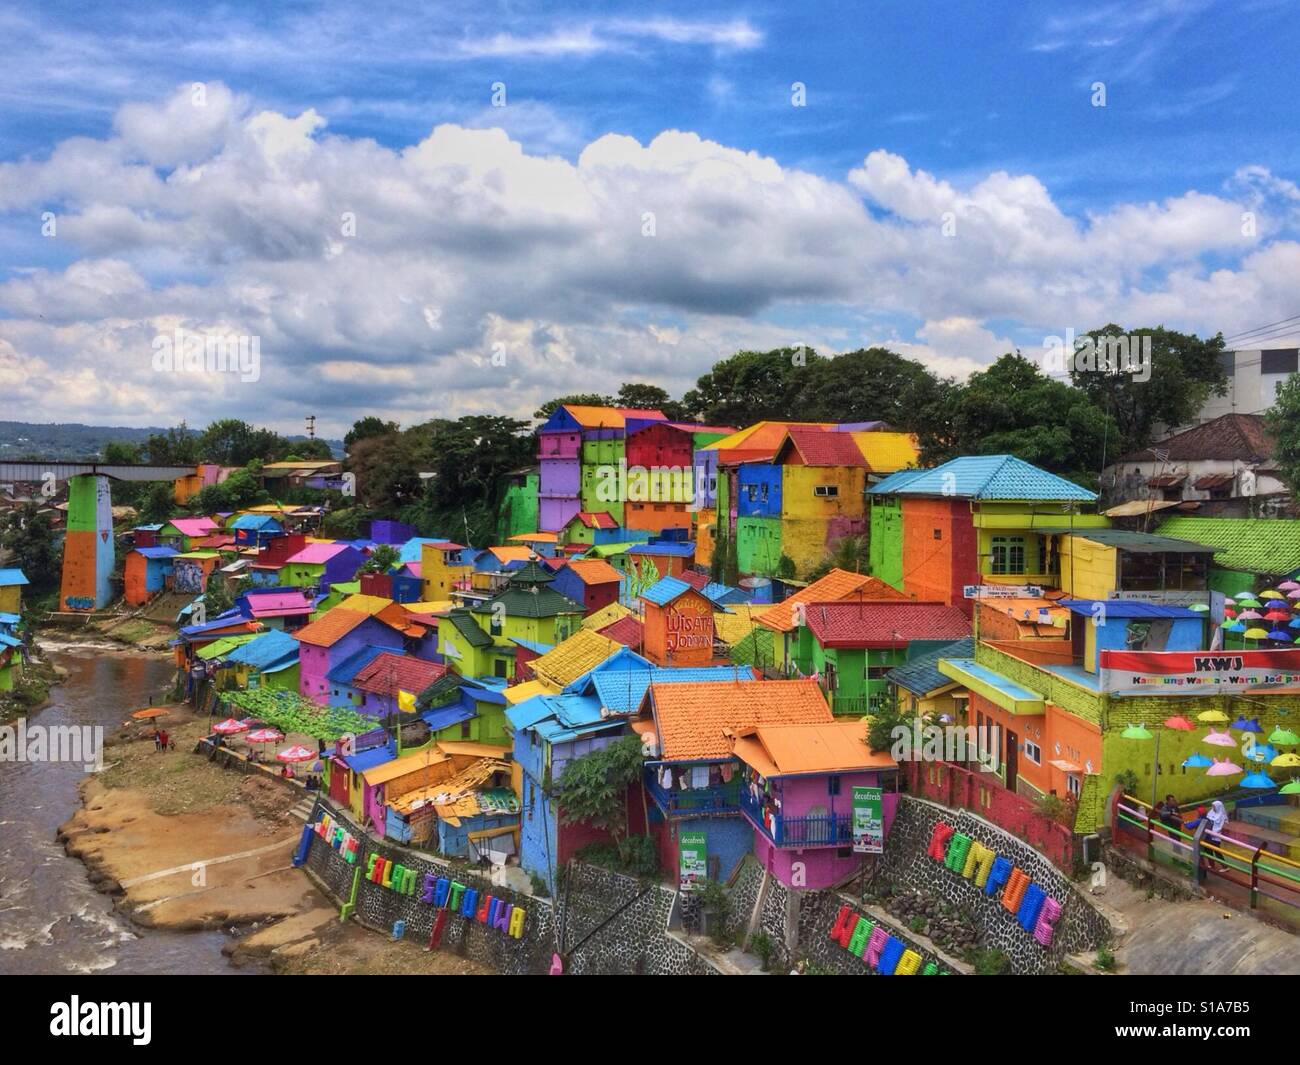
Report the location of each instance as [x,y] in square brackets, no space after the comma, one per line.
[797,791]
[391,532]
[333,637]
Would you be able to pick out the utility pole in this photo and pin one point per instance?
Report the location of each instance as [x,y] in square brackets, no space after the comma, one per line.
[311,427]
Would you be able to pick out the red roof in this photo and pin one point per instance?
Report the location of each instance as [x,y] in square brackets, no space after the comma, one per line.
[626,630]
[694,579]
[391,672]
[883,624]
[597,520]
[817,447]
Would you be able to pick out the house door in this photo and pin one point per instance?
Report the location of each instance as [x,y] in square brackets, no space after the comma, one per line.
[339,783]
[1013,759]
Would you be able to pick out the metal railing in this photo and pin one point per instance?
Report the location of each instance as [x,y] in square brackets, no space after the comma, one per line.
[721,799]
[817,830]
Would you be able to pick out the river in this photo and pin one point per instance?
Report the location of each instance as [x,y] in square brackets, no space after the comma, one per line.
[51,919]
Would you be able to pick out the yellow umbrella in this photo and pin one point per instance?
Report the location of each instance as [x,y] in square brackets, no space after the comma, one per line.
[1268,593]
[1288,759]
[1256,634]
[1211,716]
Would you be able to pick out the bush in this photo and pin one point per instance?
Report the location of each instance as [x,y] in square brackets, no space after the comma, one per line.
[989,961]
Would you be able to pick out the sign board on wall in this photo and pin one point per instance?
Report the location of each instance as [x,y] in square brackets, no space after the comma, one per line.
[688,625]
[868,821]
[1200,672]
[1002,591]
[692,859]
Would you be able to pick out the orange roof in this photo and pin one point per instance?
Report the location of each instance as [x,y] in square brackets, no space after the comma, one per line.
[758,442]
[786,750]
[330,627]
[608,417]
[535,538]
[694,719]
[594,571]
[512,554]
[836,585]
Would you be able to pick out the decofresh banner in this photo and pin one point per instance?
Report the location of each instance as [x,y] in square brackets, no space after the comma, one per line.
[692,858]
[1199,672]
[868,821]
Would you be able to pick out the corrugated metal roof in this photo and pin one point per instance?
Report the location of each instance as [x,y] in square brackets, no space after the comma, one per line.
[793,750]
[1127,608]
[921,675]
[984,477]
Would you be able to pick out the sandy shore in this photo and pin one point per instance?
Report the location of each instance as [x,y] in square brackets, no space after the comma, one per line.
[182,844]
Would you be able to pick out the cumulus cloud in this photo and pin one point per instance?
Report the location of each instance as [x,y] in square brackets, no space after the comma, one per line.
[467,272]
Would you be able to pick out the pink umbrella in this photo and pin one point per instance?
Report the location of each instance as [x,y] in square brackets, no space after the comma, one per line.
[264,735]
[1219,739]
[1250,615]
[1288,586]
[229,727]
[1223,769]
[296,754]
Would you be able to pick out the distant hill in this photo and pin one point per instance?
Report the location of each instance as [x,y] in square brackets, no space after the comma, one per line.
[72,440]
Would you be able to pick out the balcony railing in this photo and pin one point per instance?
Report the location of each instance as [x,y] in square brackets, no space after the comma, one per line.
[725,798]
[826,830]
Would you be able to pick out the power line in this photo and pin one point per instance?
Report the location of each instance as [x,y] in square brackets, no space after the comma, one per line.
[1260,329]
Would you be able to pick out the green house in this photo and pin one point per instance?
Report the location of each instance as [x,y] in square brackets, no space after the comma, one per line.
[456,708]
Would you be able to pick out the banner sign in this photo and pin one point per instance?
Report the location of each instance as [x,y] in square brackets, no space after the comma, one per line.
[868,821]
[1002,591]
[1199,672]
[693,858]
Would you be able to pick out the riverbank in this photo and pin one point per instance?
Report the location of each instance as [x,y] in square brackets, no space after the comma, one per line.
[181,844]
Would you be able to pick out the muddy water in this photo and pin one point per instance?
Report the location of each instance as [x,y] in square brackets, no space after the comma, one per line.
[51,919]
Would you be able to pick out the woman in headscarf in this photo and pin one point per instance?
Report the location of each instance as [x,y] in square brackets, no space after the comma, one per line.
[1215,822]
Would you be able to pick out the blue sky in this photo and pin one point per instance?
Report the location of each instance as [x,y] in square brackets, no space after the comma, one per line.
[776,223]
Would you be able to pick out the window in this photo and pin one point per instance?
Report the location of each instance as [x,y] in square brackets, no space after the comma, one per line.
[827,490]
[1279,360]
[499,668]
[833,784]
[465,730]
[938,534]
[1072,785]
[1008,554]
[1033,753]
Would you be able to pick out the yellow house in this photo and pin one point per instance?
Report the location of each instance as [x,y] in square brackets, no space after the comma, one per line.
[1118,563]
[12,583]
[440,569]
[823,486]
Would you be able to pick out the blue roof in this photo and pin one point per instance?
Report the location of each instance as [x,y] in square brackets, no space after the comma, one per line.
[665,590]
[533,645]
[254,521]
[354,663]
[922,674]
[481,691]
[443,716]
[721,594]
[410,551]
[554,732]
[147,528]
[156,552]
[222,622]
[269,652]
[1127,608]
[363,760]
[621,692]
[684,549]
[10,641]
[529,712]
[984,477]
[10,577]
[9,619]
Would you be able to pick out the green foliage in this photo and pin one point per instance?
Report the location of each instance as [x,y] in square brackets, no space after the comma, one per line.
[731,565]
[177,446]
[753,385]
[1128,781]
[1054,808]
[29,537]
[290,712]
[786,568]
[851,553]
[217,597]
[989,961]
[237,491]
[634,856]
[538,886]
[1283,421]
[367,427]
[1105,960]
[883,721]
[593,789]
[382,559]
[158,504]
[763,945]
[231,442]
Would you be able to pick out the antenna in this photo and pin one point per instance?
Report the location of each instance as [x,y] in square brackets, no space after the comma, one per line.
[311,427]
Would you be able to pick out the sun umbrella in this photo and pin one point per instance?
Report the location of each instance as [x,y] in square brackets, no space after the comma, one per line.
[1223,769]
[1257,780]
[1280,634]
[1251,602]
[1283,737]
[264,735]
[1288,760]
[229,726]
[1236,626]
[153,711]
[1278,615]
[1136,732]
[1197,761]
[297,753]
[1268,593]
[1219,739]
[1250,615]
[1180,723]
[1255,634]
[1211,716]
[1288,586]
[1229,613]
[1293,595]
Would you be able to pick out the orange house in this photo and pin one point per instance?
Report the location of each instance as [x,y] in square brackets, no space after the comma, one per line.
[678,624]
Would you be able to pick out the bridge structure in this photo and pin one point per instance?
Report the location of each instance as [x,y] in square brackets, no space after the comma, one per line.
[88,548]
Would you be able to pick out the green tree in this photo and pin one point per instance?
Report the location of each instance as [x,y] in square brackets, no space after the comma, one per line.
[871,384]
[366,427]
[751,386]
[157,505]
[231,442]
[29,537]
[382,559]
[592,790]
[639,396]
[121,452]
[178,446]
[1283,421]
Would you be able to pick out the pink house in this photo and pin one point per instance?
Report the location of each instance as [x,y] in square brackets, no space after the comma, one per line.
[797,793]
[330,639]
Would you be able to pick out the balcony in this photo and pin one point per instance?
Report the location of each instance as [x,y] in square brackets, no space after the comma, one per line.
[827,830]
[724,799]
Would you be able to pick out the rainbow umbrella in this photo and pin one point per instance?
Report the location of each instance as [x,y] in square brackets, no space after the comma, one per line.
[1219,739]
[1283,737]
[1223,769]
[1211,717]
[1257,780]
[1287,761]
[1197,761]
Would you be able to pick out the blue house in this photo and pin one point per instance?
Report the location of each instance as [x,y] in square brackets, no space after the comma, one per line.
[342,693]
[255,530]
[758,490]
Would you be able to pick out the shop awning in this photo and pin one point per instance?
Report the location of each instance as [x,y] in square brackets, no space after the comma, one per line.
[1212,480]
[1166,480]
[994,687]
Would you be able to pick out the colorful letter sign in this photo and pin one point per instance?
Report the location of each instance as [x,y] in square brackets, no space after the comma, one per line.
[1199,672]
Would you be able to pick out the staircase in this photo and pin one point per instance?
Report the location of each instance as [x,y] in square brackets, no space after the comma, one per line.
[304,808]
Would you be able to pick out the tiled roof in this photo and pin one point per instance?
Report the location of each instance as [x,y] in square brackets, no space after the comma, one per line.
[921,675]
[345,672]
[984,477]
[1253,545]
[538,601]
[694,719]
[535,538]
[1230,436]
[837,584]
[675,548]
[276,604]
[608,417]
[330,627]
[627,631]
[193,526]
[696,580]
[758,442]
[1126,608]
[597,520]
[594,571]
[391,672]
[817,447]
[511,553]
[620,691]
[665,590]
[789,750]
[884,624]
[464,624]
[573,657]
[606,615]
[734,624]
[366,604]
[887,452]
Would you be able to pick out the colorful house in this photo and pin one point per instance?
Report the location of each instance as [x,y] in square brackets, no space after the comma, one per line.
[572,658]
[798,785]
[319,565]
[527,608]
[277,608]
[920,690]
[851,646]
[678,625]
[270,560]
[343,692]
[590,528]
[592,582]
[457,708]
[269,660]
[389,677]
[144,573]
[823,478]
[12,583]
[442,569]
[975,520]
[519,510]
[333,637]
[181,533]
[255,530]
[692,776]
[191,570]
